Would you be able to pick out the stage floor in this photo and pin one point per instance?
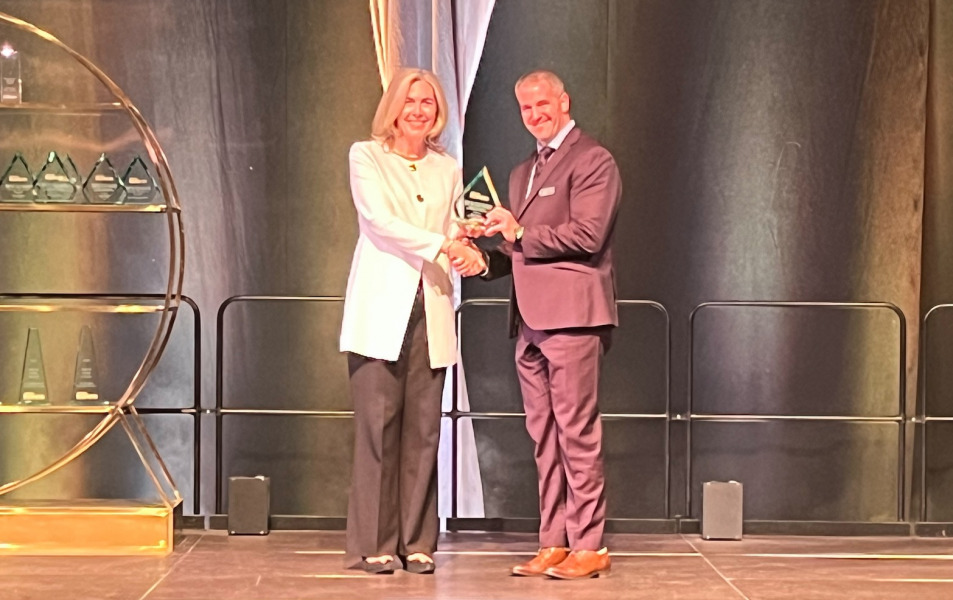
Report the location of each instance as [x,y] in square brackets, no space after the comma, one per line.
[471,566]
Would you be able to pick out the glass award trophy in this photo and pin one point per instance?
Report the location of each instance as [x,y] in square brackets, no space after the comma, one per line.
[103,185]
[53,184]
[73,173]
[16,185]
[141,188]
[11,86]
[33,382]
[86,376]
[479,198]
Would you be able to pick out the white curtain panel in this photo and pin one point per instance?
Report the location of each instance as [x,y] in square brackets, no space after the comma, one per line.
[446,37]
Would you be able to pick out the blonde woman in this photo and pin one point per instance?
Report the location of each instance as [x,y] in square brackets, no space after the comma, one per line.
[398,327]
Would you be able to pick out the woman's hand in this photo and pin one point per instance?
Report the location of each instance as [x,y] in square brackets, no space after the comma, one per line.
[466,259]
[473,229]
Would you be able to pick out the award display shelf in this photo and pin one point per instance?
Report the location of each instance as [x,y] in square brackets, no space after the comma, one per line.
[94,208]
[67,524]
[39,108]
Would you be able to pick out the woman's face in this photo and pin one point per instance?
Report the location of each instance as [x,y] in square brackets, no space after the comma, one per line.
[417,117]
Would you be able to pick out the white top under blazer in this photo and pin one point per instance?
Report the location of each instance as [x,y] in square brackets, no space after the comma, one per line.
[403,213]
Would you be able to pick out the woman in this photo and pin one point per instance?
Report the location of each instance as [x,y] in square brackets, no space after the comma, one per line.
[398,326]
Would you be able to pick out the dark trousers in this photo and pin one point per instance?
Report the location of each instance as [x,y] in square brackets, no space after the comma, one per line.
[559,379]
[392,507]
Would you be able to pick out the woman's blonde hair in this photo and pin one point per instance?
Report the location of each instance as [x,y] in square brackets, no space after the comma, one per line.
[384,126]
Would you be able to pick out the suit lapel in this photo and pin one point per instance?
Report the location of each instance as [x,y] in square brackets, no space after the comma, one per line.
[548,169]
[518,195]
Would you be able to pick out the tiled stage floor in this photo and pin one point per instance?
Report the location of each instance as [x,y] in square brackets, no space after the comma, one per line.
[305,565]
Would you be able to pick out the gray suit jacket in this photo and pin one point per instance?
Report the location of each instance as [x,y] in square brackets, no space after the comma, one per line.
[562,268]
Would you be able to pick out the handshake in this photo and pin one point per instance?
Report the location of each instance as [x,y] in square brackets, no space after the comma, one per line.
[465,257]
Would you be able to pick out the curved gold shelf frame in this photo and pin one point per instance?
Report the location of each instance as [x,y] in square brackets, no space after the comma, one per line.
[117,412]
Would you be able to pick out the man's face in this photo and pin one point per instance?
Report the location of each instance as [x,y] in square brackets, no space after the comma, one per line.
[544,111]
[417,117]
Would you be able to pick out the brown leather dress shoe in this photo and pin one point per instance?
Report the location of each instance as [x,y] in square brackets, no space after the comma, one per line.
[545,558]
[582,564]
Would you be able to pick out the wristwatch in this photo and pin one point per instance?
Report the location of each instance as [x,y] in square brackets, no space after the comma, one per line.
[518,234]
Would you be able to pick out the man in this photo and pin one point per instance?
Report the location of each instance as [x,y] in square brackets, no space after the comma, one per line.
[558,233]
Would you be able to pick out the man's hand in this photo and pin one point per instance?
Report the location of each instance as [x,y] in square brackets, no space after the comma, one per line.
[500,220]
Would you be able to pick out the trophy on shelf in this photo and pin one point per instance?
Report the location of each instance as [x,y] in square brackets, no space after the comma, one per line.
[141,188]
[73,173]
[478,198]
[53,182]
[16,185]
[11,86]
[103,185]
[33,390]
[86,376]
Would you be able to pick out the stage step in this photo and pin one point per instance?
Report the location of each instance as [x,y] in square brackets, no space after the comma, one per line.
[85,527]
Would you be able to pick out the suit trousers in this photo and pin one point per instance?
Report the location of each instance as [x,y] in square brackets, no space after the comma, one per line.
[559,378]
[392,506]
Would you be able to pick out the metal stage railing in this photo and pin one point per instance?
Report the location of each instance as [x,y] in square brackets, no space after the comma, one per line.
[925,415]
[221,410]
[675,471]
[898,418]
[458,413]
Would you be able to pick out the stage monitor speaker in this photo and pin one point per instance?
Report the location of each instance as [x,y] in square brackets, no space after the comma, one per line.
[249,502]
[722,510]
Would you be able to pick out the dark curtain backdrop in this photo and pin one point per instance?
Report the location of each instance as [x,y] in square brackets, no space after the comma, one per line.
[937,290]
[938,172]
[770,150]
[255,103]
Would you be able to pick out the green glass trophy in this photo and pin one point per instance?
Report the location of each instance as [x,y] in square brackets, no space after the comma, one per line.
[73,173]
[103,185]
[479,198]
[11,85]
[33,382]
[141,188]
[86,376]
[53,184]
[16,185]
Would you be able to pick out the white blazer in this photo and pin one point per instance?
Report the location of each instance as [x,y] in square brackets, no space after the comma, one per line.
[403,213]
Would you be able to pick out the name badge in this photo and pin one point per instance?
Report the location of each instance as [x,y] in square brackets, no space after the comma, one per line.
[547,191]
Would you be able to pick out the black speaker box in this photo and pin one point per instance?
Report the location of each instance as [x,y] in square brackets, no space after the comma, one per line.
[249,500]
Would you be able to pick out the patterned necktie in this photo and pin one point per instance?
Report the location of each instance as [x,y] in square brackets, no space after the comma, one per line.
[542,157]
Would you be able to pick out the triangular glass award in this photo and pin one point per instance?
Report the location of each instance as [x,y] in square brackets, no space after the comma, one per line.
[73,173]
[16,185]
[103,185]
[479,198]
[86,376]
[53,183]
[141,188]
[33,389]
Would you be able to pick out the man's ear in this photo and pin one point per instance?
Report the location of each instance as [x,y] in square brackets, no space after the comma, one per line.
[564,102]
